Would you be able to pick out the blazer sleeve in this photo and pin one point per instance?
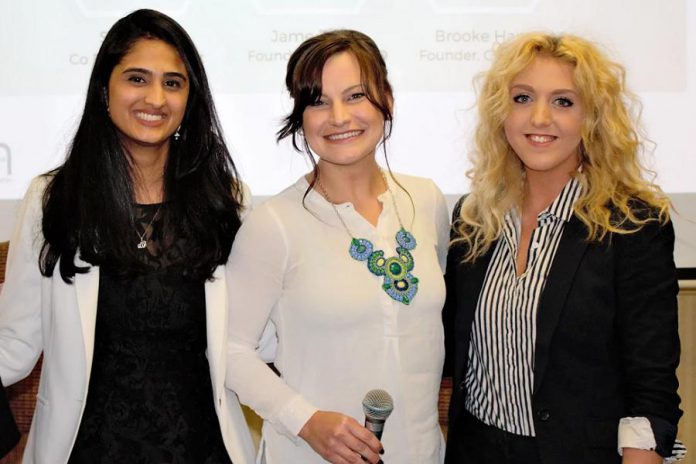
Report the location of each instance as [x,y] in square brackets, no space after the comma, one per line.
[21,340]
[9,435]
[647,323]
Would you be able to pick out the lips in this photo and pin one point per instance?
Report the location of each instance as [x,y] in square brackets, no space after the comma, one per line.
[541,138]
[149,117]
[344,135]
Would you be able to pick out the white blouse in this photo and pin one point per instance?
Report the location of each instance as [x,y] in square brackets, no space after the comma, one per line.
[339,333]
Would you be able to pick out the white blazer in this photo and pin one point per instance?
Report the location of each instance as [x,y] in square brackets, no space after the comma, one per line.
[40,314]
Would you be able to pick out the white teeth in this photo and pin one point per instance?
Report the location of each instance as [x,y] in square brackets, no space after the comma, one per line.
[541,138]
[345,135]
[149,117]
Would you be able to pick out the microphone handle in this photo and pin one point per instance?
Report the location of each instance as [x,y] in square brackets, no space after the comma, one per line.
[375,426]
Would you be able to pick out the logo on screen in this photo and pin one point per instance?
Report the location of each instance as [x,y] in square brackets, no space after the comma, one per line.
[484,6]
[5,160]
[96,8]
[308,7]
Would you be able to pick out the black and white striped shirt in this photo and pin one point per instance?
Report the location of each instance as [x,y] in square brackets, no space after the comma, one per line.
[500,377]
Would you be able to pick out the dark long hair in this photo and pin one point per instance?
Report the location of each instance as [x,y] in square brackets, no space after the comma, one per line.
[88,203]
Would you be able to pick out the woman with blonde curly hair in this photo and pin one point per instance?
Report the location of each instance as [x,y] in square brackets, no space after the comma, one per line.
[561,314]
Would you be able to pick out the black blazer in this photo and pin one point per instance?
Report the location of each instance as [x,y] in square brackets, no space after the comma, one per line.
[607,342]
[9,435]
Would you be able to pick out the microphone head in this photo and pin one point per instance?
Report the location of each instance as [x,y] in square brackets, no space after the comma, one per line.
[377,404]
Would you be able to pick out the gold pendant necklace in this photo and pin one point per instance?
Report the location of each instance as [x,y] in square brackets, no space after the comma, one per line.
[143,242]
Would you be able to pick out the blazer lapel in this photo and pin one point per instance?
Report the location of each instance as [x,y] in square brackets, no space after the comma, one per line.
[87,293]
[565,264]
[216,322]
[469,280]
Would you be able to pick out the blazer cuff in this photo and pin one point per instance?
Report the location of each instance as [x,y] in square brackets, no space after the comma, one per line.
[651,433]
[636,432]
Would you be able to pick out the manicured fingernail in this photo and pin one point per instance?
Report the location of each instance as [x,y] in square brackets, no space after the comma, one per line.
[381,451]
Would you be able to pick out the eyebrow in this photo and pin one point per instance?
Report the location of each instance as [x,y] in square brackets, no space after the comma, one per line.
[554,92]
[348,89]
[353,87]
[149,73]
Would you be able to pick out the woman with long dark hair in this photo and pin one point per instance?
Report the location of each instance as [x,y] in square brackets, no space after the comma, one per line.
[116,268]
[348,264]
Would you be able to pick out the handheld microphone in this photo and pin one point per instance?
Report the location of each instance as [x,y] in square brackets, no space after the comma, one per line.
[377,405]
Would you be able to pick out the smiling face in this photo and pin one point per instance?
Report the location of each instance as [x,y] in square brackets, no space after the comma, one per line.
[148,91]
[343,127]
[544,125]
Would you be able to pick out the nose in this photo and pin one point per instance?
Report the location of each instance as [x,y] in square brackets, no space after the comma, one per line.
[541,114]
[155,96]
[339,114]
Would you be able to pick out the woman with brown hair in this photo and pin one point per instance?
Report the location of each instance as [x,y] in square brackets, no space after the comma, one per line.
[347,263]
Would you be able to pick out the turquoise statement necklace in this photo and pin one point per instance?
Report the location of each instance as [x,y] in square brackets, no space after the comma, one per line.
[398,282]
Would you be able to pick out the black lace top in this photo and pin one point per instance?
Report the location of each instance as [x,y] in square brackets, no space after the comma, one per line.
[150,396]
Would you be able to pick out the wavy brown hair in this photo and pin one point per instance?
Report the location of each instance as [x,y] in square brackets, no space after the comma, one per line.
[303,81]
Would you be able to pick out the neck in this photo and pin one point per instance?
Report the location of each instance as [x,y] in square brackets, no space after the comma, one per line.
[147,165]
[350,183]
[541,191]
[360,185]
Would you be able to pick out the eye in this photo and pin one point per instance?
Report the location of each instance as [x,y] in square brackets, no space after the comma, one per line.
[563,102]
[136,79]
[173,83]
[356,96]
[522,98]
[317,103]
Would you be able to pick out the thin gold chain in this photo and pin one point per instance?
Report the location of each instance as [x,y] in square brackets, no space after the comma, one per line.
[142,236]
[340,218]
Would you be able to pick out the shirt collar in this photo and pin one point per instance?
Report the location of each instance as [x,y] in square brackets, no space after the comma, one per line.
[562,206]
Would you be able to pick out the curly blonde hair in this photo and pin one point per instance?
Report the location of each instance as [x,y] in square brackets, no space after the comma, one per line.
[614,181]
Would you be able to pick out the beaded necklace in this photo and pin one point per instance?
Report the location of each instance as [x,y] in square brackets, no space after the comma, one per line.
[398,281]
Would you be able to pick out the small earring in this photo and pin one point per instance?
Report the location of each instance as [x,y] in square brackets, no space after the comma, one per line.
[177,135]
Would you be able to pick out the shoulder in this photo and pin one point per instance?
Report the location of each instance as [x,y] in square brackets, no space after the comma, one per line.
[423,191]
[415,183]
[277,209]
[38,185]
[641,233]
[458,206]
[641,222]
[287,200]
[32,204]
[635,209]
[245,194]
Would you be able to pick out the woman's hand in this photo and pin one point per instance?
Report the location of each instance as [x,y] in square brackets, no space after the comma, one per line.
[340,439]
[639,456]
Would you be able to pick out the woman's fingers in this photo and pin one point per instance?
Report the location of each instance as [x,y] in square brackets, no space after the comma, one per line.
[340,439]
